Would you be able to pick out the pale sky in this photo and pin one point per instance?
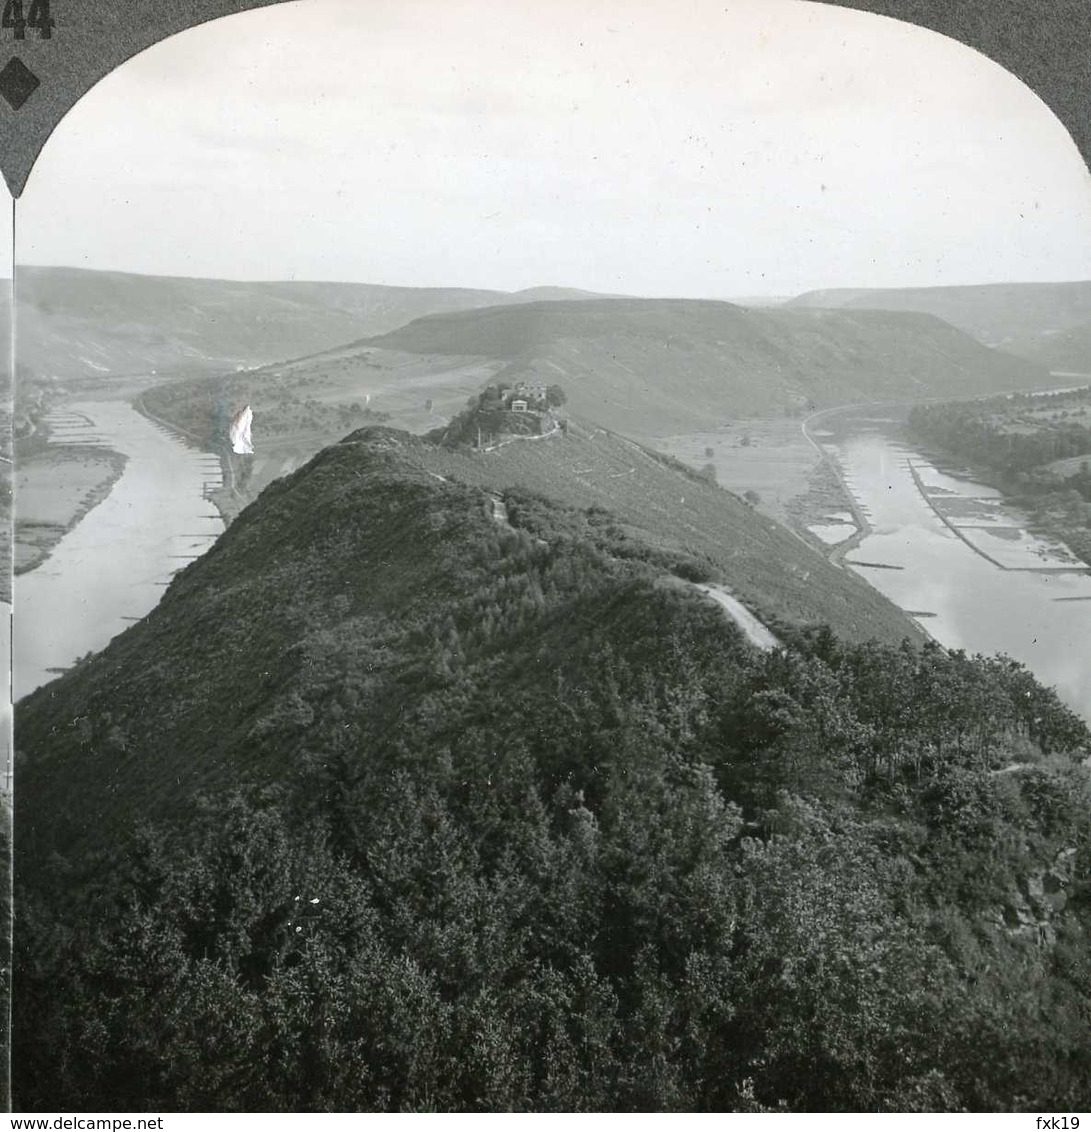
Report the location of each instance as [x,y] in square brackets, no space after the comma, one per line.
[652,147]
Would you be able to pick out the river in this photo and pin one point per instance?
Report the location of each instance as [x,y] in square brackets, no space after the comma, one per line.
[956,556]
[112,567]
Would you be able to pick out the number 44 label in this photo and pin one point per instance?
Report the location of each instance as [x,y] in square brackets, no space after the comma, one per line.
[36,17]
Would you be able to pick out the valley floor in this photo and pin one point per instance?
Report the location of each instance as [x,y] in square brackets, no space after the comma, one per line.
[775,465]
[770,457]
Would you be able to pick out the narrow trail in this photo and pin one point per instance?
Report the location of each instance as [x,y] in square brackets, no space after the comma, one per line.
[755,631]
[555,431]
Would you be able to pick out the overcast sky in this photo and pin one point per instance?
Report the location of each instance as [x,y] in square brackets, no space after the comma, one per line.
[655,147]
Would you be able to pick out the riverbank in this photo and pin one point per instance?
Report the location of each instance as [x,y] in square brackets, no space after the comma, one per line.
[1052,546]
[1035,450]
[226,497]
[1054,516]
[55,490]
[955,553]
[112,565]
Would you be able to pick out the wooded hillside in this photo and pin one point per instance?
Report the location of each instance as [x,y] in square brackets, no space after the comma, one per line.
[392,804]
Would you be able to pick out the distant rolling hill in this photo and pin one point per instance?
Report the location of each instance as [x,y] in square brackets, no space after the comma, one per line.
[77,324]
[641,367]
[651,366]
[1049,323]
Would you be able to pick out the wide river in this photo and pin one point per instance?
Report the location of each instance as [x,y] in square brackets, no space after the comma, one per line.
[950,551]
[112,567]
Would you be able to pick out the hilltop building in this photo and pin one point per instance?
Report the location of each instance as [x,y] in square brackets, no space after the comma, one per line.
[504,411]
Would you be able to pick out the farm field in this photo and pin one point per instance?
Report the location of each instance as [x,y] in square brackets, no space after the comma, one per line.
[770,458]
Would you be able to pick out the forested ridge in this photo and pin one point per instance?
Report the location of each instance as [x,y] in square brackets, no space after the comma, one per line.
[1013,435]
[393,805]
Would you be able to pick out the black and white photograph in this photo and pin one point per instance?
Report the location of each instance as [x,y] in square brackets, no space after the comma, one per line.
[550,570]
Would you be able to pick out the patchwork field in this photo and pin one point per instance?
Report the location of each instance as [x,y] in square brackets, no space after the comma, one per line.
[767,459]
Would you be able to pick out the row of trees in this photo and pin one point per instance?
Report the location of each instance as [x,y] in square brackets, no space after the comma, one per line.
[984,436]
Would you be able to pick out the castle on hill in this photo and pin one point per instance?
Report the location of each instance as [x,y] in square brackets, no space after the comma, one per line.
[521,397]
[507,410]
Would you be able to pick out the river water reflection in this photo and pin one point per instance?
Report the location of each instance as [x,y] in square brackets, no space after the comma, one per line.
[113,566]
[949,551]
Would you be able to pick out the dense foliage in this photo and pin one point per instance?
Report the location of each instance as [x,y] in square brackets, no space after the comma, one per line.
[518,820]
[1012,435]
[500,412]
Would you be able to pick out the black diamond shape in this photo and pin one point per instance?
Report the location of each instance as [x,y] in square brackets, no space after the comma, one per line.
[18,82]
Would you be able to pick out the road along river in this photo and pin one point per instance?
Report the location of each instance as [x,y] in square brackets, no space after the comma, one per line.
[951,553]
[112,567]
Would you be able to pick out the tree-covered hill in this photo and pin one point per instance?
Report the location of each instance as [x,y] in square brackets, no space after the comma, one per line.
[386,526]
[401,800]
[664,504]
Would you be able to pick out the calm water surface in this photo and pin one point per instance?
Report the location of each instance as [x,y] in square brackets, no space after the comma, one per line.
[112,567]
[995,589]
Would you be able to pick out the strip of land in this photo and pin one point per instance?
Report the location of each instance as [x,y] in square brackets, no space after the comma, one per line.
[55,489]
